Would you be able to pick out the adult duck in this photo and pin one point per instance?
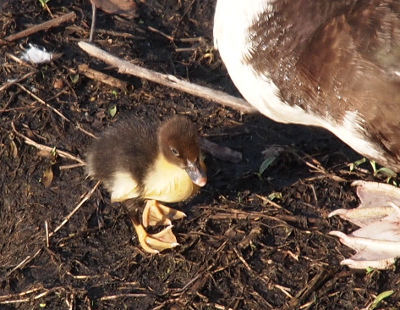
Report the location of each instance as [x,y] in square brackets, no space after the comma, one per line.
[332,64]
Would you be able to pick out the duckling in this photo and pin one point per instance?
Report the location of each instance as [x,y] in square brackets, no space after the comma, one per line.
[147,162]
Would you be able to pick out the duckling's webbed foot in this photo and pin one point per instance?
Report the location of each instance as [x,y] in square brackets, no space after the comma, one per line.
[377,242]
[156,214]
[153,243]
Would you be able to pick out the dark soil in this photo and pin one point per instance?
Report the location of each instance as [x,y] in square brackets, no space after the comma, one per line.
[238,250]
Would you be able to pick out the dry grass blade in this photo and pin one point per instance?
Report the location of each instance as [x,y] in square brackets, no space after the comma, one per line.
[87,196]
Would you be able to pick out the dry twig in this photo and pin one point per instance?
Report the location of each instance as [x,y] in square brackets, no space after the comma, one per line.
[47,148]
[8,84]
[123,296]
[43,26]
[43,102]
[167,80]
[24,262]
[101,77]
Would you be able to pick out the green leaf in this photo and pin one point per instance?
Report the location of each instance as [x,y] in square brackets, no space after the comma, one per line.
[43,3]
[112,110]
[360,161]
[352,166]
[379,298]
[54,151]
[387,172]
[373,165]
[74,78]
[275,195]
[369,270]
[266,163]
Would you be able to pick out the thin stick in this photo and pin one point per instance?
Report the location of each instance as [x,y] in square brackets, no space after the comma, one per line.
[168,80]
[46,227]
[47,148]
[93,26]
[28,258]
[19,61]
[33,290]
[242,259]
[161,33]
[85,131]
[15,301]
[24,262]
[69,167]
[67,218]
[123,296]
[101,77]
[8,84]
[42,294]
[43,26]
[269,201]
[43,102]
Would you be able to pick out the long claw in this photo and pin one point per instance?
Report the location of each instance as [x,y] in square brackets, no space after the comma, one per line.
[377,241]
[378,254]
[155,214]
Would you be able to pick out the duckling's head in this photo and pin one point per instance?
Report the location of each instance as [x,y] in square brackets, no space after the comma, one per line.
[179,143]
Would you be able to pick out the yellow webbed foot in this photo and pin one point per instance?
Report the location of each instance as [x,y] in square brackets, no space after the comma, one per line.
[152,243]
[155,243]
[155,214]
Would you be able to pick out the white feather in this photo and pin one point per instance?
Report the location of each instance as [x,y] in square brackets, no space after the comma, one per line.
[36,55]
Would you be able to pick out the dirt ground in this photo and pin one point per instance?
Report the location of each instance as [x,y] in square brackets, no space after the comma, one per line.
[238,249]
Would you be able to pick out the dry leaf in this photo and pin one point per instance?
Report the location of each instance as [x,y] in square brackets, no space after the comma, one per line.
[48,176]
[58,83]
[14,149]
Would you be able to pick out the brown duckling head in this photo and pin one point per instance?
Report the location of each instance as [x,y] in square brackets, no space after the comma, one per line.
[179,143]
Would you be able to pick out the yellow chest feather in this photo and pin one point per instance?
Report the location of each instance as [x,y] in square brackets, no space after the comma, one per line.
[165,182]
[168,183]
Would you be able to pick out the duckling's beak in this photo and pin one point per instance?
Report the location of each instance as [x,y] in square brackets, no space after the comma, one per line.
[196,173]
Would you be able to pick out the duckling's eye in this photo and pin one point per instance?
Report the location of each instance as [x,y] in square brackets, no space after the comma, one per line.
[174,152]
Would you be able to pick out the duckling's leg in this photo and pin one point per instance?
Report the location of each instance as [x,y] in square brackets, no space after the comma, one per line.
[377,242]
[155,214]
[153,243]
